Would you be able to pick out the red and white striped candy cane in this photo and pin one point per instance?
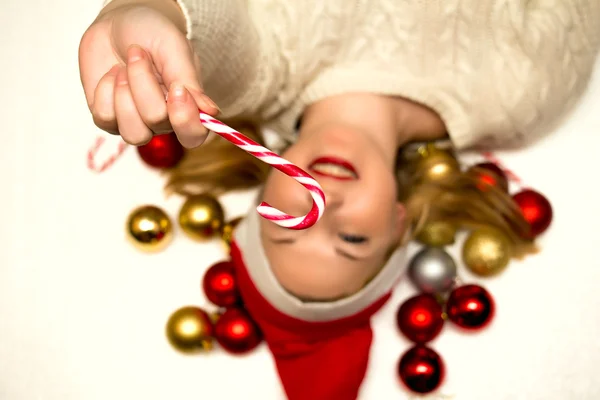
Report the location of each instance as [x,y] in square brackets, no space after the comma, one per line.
[267,156]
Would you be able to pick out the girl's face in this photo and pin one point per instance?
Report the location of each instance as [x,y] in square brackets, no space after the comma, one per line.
[362,222]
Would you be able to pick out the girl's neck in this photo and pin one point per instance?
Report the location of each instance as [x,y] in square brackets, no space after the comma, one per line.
[390,122]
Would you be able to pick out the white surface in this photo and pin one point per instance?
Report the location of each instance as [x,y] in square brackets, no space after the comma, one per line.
[82,313]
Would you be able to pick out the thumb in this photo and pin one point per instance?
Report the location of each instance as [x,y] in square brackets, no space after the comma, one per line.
[178,64]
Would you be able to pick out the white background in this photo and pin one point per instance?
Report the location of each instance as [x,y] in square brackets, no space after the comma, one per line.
[82,313]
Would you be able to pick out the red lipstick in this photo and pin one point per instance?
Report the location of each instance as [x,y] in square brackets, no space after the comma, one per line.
[333,161]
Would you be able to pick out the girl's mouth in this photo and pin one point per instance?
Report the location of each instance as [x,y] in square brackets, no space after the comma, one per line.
[333,167]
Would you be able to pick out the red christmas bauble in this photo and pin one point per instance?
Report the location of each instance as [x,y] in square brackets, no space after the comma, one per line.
[421,369]
[470,307]
[489,174]
[220,286]
[536,210]
[163,151]
[236,332]
[420,318]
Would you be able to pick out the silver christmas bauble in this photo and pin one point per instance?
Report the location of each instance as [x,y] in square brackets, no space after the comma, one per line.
[432,270]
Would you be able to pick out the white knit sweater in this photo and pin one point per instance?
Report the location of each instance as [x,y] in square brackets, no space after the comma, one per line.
[497,71]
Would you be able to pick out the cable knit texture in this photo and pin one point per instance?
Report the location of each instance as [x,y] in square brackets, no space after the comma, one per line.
[497,71]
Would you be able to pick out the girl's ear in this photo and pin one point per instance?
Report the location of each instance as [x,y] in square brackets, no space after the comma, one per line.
[400,226]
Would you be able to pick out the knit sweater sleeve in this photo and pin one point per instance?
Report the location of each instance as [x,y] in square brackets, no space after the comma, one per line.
[547,51]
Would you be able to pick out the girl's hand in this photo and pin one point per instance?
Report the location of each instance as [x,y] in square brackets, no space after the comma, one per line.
[133,56]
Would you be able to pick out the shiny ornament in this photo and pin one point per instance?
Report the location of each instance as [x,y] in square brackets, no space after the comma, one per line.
[162,151]
[536,210]
[421,369]
[470,307]
[236,332]
[149,228]
[487,251]
[437,233]
[220,286]
[201,217]
[214,316]
[436,165]
[420,318]
[228,230]
[190,330]
[489,174]
[432,270]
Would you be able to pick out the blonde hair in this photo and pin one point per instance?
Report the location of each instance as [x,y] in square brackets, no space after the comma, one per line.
[217,167]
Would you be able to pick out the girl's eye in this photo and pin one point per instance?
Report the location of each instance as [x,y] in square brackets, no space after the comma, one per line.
[354,239]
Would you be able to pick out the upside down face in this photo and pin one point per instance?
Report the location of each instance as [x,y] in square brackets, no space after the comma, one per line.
[362,221]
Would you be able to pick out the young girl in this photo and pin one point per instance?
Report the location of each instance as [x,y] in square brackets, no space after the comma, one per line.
[346,86]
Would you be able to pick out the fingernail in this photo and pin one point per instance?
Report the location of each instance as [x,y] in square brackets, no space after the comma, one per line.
[134,54]
[178,93]
[210,103]
[121,78]
[192,142]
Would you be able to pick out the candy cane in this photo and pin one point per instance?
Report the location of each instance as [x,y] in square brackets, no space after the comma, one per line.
[265,155]
[92,152]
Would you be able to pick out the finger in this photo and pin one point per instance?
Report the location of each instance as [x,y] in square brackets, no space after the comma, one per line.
[146,91]
[103,106]
[131,127]
[96,57]
[183,114]
[178,66]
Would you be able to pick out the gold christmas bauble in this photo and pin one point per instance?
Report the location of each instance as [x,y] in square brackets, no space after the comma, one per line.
[227,231]
[149,228]
[214,316]
[437,233]
[436,165]
[190,330]
[201,217]
[487,251]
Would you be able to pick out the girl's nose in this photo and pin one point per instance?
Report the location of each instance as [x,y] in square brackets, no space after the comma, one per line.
[333,199]
[296,200]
